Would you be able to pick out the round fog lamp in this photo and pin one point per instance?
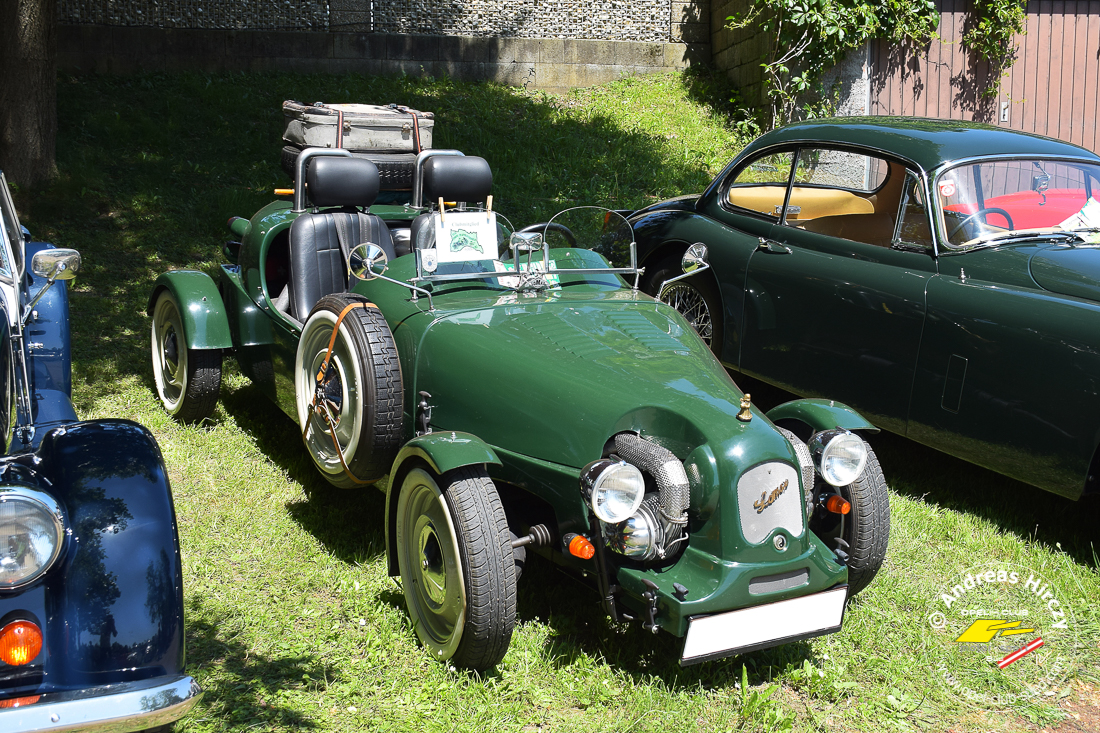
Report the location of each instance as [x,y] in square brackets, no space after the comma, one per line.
[839,455]
[614,489]
[31,531]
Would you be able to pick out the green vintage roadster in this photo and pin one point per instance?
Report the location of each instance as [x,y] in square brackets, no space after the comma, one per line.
[514,392]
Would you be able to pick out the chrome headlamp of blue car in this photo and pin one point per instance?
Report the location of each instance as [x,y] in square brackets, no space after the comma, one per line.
[32,531]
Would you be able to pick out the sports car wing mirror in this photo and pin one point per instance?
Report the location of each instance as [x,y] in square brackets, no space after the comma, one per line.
[695,258]
[693,262]
[52,264]
[367,261]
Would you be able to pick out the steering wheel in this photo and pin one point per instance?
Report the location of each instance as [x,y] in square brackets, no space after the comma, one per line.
[545,227]
[980,212]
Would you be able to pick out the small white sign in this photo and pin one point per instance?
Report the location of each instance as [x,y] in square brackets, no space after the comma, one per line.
[466,236]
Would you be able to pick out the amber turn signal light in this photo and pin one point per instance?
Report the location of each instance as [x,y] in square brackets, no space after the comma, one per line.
[284,191]
[837,504]
[20,642]
[579,546]
[18,702]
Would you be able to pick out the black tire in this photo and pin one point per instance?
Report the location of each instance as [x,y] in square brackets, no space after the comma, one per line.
[866,529]
[466,619]
[363,391]
[187,380]
[288,158]
[695,298]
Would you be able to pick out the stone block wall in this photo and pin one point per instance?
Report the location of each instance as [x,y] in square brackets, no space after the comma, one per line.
[553,64]
[545,44]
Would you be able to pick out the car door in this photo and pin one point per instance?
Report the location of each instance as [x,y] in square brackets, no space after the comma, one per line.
[835,295]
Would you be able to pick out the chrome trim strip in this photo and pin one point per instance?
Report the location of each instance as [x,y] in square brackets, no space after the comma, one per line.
[121,708]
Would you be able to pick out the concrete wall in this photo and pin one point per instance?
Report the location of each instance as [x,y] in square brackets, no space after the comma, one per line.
[551,64]
[740,52]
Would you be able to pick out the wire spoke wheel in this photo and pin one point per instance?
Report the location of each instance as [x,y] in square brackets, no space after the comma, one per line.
[691,304]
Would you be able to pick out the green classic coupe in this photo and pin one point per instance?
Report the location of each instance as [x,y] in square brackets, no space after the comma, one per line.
[514,392]
[942,277]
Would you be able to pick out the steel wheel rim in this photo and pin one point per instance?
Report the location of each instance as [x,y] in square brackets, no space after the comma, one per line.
[169,354]
[431,569]
[689,303]
[346,382]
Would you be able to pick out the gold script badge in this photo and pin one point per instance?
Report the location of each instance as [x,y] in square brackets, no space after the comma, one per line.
[766,499]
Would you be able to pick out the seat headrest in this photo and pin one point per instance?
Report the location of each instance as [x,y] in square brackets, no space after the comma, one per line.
[457,178]
[332,181]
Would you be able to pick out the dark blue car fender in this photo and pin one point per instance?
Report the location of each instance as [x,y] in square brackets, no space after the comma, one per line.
[115,602]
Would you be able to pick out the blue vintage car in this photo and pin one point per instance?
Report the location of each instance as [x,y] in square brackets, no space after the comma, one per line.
[91,602]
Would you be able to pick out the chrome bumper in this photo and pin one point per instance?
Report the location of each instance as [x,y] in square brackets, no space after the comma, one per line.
[120,708]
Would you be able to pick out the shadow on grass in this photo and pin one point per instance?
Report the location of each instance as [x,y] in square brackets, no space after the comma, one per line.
[348,522]
[580,630]
[242,687]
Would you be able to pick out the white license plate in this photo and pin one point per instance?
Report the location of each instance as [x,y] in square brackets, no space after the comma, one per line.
[759,627]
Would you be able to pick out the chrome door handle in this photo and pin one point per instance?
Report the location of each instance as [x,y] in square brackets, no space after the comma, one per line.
[770,245]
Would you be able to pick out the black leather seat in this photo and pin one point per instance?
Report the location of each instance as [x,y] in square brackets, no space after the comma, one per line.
[454,178]
[321,240]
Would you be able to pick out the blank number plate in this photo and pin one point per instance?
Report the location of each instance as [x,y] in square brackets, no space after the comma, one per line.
[759,627]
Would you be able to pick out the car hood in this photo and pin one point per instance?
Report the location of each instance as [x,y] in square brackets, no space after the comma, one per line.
[1071,271]
[554,379]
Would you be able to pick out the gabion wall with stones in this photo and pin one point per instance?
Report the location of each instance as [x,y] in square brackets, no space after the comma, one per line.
[209,14]
[611,20]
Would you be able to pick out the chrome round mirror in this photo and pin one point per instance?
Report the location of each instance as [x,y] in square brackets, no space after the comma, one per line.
[367,261]
[59,264]
[694,258]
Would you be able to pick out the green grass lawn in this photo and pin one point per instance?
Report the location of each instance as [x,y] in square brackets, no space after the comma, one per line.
[292,622]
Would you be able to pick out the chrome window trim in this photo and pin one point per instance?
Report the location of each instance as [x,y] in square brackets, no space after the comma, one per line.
[940,227]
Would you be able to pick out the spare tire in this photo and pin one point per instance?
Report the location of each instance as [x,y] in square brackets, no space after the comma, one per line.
[351,418]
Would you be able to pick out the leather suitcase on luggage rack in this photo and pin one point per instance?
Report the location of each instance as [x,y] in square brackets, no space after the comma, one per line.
[391,136]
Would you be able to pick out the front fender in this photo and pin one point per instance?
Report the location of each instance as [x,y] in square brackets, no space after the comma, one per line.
[819,414]
[116,596]
[443,451]
[204,318]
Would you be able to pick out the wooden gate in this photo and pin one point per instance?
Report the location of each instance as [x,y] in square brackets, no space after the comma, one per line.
[1052,89]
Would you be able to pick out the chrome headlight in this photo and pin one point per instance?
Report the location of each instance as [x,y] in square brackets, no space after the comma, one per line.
[839,455]
[31,533]
[641,536]
[614,489]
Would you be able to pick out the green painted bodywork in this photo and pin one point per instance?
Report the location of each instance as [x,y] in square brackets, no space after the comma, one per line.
[821,415]
[532,386]
[446,451]
[991,355]
[204,318]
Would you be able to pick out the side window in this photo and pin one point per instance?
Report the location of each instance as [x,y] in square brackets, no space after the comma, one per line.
[914,218]
[12,235]
[761,185]
[847,195]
